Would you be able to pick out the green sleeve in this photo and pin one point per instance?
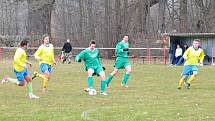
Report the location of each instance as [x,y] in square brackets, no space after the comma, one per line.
[99,57]
[119,48]
[80,55]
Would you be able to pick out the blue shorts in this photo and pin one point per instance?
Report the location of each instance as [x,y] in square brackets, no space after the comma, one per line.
[21,75]
[45,67]
[188,69]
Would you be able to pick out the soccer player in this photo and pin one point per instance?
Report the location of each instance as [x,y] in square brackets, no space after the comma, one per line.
[45,56]
[20,65]
[122,62]
[91,59]
[193,56]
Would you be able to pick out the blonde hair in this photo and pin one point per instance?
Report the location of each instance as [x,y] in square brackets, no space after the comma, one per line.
[197,40]
[44,36]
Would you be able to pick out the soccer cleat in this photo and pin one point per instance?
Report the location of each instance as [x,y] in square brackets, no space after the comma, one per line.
[87,89]
[4,80]
[179,88]
[124,85]
[34,75]
[107,86]
[188,85]
[103,93]
[33,96]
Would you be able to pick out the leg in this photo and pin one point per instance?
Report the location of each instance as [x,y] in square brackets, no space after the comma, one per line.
[10,80]
[46,69]
[110,77]
[90,72]
[192,77]
[46,79]
[180,61]
[181,81]
[69,58]
[126,76]
[30,87]
[103,82]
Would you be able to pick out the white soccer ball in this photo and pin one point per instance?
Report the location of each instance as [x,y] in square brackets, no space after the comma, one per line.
[92,92]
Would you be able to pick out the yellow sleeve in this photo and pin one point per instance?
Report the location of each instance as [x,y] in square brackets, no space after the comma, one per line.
[201,57]
[17,58]
[38,53]
[53,54]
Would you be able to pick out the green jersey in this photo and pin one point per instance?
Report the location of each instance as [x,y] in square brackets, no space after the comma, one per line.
[119,49]
[90,57]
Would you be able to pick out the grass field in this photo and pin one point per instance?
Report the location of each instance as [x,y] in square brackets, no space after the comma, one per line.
[151,96]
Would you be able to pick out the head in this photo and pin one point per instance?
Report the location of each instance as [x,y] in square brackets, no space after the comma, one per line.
[185,45]
[45,39]
[125,38]
[178,46]
[24,44]
[196,43]
[68,40]
[92,45]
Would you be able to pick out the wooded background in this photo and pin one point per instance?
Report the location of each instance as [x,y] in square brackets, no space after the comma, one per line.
[103,20]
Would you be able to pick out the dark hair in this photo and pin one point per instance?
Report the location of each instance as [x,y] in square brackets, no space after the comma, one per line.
[92,42]
[125,35]
[44,36]
[24,42]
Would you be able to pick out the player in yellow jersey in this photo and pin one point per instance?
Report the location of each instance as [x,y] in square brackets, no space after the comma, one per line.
[20,65]
[45,56]
[194,57]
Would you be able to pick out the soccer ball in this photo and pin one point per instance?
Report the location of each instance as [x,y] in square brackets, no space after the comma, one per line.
[92,92]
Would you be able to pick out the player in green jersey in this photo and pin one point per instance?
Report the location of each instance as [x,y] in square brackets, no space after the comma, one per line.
[91,59]
[122,62]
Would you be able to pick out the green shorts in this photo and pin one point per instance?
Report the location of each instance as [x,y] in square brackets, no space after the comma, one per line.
[97,69]
[121,63]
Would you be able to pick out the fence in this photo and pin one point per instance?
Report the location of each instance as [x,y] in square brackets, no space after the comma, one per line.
[143,55]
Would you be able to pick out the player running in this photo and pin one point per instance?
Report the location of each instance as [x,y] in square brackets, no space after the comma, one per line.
[122,62]
[45,56]
[20,65]
[193,56]
[91,59]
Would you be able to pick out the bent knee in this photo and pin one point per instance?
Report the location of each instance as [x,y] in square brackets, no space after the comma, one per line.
[22,83]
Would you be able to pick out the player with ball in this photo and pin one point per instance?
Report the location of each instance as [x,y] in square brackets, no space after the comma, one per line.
[92,63]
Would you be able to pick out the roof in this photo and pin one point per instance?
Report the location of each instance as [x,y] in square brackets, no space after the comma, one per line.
[191,34]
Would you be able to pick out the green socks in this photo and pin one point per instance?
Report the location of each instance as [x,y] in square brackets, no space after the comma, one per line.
[103,85]
[125,79]
[90,81]
[29,88]
[108,80]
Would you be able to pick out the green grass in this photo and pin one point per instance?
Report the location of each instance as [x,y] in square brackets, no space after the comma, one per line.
[151,96]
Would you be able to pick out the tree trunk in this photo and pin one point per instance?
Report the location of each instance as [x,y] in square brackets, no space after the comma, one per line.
[39,16]
[183,16]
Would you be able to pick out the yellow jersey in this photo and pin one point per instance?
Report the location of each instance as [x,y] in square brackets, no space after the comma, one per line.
[19,60]
[193,57]
[45,53]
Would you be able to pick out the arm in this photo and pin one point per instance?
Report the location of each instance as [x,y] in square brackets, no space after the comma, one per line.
[119,48]
[185,56]
[53,59]
[80,56]
[63,49]
[37,54]
[29,63]
[201,57]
